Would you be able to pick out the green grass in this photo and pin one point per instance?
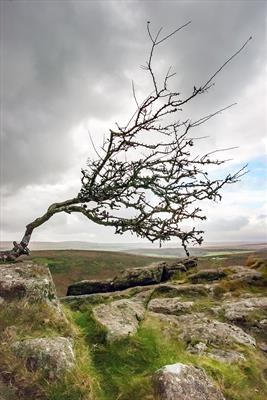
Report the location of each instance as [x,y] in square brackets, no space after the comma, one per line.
[124,368]
[22,320]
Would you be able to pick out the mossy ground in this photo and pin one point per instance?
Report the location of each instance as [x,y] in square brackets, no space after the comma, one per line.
[124,368]
[21,320]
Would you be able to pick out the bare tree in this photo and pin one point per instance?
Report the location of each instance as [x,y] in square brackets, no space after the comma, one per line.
[147,168]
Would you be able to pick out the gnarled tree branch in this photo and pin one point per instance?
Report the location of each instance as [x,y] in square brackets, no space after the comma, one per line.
[161,182]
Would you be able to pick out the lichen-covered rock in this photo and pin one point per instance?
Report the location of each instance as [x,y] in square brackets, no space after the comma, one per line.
[246,275]
[132,277]
[226,356]
[174,290]
[172,305]
[52,356]
[184,382]
[120,318]
[239,310]
[196,328]
[139,276]
[170,270]
[27,280]
[207,275]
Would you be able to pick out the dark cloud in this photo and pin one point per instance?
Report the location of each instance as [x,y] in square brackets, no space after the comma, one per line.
[55,54]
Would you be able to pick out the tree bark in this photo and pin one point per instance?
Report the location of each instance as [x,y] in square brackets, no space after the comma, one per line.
[21,248]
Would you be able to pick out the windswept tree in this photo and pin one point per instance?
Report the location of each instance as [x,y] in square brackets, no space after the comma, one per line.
[146,179]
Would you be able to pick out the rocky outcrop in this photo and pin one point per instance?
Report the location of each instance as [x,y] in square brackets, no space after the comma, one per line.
[170,306]
[120,318]
[184,382]
[53,356]
[246,275]
[29,281]
[32,328]
[152,274]
[174,290]
[240,309]
[90,287]
[207,275]
[197,327]
[200,312]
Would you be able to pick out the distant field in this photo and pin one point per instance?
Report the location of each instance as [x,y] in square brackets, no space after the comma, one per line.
[69,266]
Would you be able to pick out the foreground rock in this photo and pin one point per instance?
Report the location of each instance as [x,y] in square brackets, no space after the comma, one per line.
[131,277]
[120,318]
[184,382]
[195,328]
[200,328]
[53,356]
[29,281]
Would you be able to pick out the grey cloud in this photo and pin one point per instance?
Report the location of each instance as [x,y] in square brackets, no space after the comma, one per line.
[56,54]
[227,224]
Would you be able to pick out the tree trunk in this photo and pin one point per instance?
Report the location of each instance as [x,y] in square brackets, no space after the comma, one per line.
[21,248]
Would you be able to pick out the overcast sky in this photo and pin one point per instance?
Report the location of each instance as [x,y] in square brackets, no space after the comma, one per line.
[67,67]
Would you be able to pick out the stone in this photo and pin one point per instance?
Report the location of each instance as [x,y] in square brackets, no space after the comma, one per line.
[184,382]
[27,280]
[239,310]
[246,275]
[144,276]
[152,274]
[130,277]
[207,275]
[90,287]
[189,263]
[53,356]
[226,356]
[197,348]
[263,346]
[171,305]
[170,270]
[76,301]
[202,329]
[175,290]
[120,318]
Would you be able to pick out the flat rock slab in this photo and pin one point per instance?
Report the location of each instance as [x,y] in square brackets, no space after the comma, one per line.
[225,356]
[194,329]
[144,276]
[27,280]
[152,274]
[207,275]
[172,305]
[184,382]
[239,310]
[194,290]
[53,356]
[120,318]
